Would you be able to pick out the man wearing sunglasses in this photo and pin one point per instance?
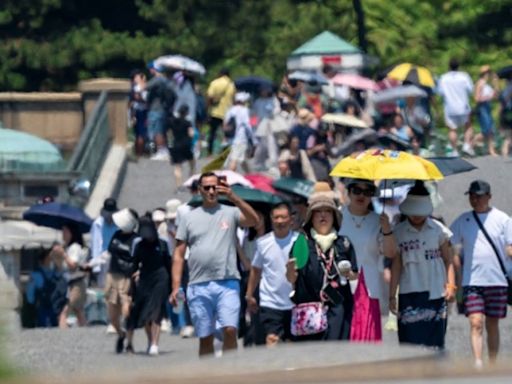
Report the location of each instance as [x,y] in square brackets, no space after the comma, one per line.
[484,262]
[213,289]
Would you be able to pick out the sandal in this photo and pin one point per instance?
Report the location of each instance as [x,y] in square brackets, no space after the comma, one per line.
[129,348]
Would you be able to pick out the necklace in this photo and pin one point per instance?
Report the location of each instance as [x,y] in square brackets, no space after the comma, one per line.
[356,223]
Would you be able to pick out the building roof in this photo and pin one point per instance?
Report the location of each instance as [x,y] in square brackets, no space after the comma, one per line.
[325,43]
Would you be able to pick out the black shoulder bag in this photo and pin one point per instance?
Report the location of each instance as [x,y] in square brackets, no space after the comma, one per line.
[482,228]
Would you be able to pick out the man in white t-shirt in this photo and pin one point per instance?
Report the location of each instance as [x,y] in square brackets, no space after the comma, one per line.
[456,87]
[269,271]
[483,280]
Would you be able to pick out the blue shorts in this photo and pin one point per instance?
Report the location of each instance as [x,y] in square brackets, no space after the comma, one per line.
[214,302]
[156,124]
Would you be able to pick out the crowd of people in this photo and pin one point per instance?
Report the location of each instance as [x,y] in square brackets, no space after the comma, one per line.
[331,275]
[284,129]
[327,268]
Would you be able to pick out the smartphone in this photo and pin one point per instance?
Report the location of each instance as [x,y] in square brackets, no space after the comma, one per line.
[222,179]
[333,295]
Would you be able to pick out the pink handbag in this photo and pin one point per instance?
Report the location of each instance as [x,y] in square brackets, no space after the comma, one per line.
[308,319]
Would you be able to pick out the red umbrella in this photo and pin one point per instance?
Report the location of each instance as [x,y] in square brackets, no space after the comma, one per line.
[261,182]
[366,321]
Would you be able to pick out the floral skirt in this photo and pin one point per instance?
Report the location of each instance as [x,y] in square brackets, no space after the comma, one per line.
[420,320]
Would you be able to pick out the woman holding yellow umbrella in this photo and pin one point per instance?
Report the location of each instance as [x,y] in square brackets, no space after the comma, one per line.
[364,167]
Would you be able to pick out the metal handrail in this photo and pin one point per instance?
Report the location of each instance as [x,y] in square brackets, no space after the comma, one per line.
[94,142]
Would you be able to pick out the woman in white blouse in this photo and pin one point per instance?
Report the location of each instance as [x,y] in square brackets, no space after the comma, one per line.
[73,256]
[423,268]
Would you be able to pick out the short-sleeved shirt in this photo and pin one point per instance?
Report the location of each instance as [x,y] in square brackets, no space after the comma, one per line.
[423,268]
[210,234]
[78,255]
[480,266]
[455,88]
[271,256]
[221,91]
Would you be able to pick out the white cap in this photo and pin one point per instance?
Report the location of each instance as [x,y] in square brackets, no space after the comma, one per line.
[171,208]
[158,215]
[242,97]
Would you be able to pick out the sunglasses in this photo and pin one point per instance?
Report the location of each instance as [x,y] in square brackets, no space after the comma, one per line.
[362,191]
[208,187]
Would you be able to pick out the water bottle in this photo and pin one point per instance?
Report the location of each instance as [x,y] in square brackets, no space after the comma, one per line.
[344,266]
[180,301]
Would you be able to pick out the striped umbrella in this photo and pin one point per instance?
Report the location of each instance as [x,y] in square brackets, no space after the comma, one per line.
[412,73]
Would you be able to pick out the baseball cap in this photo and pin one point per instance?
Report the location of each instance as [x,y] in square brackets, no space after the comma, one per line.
[479,187]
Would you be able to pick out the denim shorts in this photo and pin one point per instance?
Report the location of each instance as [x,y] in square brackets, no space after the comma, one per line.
[214,303]
[156,124]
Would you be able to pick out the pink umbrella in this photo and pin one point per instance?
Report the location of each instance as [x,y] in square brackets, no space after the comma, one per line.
[261,182]
[353,80]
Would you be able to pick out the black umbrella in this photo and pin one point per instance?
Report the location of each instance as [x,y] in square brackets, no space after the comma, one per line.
[505,72]
[56,215]
[257,198]
[452,165]
[253,84]
[392,141]
[358,141]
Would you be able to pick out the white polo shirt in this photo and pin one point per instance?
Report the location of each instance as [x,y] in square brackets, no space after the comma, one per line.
[423,267]
[480,267]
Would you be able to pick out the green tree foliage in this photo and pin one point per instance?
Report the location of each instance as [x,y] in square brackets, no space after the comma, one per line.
[52,44]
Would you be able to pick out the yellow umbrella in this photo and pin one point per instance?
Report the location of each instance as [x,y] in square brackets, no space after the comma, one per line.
[379,164]
[413,73]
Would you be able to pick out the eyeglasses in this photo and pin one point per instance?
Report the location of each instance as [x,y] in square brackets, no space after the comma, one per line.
[208,187]
[362,191]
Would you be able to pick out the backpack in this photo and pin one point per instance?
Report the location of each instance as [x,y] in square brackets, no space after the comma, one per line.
[122,252]
[167,95]
[53,292]
[230,128]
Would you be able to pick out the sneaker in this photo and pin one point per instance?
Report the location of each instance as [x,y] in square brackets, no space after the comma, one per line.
[165,325]
[120,343]
[111,330]
[153,350]
[187,332]
[479,364]
[161,155]
[466,149]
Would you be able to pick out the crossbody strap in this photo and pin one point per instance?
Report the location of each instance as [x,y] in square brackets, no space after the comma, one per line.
[482,228]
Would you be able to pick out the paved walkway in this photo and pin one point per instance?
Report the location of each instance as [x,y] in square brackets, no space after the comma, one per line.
[88,353]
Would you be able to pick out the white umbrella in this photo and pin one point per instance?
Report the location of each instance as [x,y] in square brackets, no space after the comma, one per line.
[343,119]
[179,62]
[401,92]
[308,77]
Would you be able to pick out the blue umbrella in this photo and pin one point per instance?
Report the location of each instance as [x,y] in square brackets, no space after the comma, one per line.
[56,215]
[252,84]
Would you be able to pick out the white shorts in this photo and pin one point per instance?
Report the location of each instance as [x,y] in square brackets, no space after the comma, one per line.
[238,152]
[214,304]
[456,121]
